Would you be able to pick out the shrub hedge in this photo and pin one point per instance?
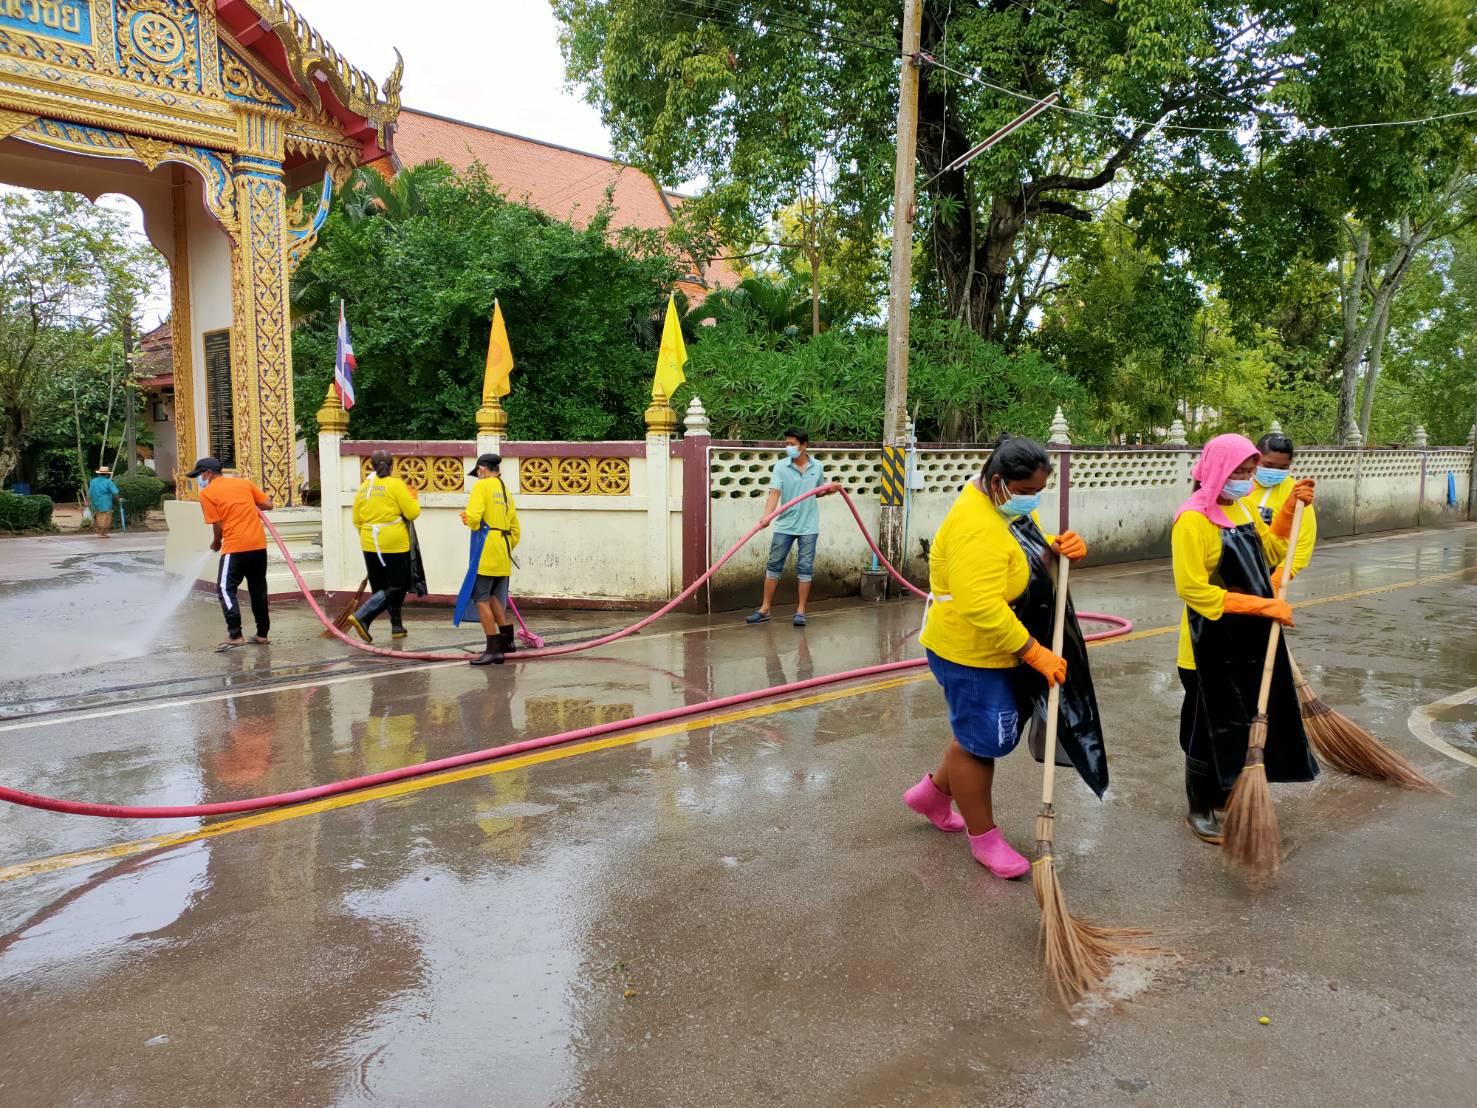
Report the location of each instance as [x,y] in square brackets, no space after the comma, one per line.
[24,513]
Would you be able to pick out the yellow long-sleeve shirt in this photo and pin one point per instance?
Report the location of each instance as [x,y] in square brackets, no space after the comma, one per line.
[384,503]
[978,566]
[1273,499]
[490,503]
[1195,544]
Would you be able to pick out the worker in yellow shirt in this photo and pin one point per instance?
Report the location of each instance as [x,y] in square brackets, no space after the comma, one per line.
[493,517]
[382,507]
[1272,486]
[1222,549]
[977,645]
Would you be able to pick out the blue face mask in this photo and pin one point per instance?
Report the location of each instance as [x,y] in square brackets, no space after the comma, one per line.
[1269,478]
[1235,490]
[792,451]
[1021,504]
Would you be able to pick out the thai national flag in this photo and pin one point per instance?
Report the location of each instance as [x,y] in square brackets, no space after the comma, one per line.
[343,363]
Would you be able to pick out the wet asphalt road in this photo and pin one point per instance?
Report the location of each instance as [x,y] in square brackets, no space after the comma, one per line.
[738,914]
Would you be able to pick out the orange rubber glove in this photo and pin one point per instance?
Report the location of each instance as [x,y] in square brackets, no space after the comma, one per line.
[1241,604]
[1051,666]
[1277,577]
[1302,493]
[1069,545]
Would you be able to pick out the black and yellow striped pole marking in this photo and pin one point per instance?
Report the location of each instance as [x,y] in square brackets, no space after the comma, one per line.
[894,474]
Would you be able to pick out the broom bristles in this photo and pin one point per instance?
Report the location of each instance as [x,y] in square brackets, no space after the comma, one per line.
[1078,955]
[1349,748]
[1253,842]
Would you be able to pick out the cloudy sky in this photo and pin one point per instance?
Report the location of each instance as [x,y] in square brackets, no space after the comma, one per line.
[495,63]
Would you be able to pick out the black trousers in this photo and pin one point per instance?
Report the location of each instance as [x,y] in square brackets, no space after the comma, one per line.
[392,577]
[249,566]
[1201,783]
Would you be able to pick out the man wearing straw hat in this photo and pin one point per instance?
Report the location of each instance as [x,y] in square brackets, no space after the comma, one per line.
[101,492]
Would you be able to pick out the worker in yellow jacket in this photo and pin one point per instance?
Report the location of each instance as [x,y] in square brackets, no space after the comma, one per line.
[1272,487]
[976,641]
[382,506]
[491,506]
[1223,550]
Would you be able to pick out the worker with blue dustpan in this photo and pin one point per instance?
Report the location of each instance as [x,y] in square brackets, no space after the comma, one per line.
[493,519]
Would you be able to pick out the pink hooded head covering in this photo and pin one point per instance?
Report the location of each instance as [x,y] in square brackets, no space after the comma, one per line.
[1221,457]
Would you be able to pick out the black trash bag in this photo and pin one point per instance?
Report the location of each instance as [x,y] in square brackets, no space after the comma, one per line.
[418,586]
[1230,654]
[1079,735]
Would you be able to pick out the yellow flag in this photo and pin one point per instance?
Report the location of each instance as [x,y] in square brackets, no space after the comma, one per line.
[673,355]
[496,380]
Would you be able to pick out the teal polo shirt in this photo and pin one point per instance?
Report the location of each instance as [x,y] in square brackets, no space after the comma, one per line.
[804,518]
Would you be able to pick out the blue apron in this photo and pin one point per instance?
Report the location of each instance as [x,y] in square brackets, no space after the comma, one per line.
[464,598]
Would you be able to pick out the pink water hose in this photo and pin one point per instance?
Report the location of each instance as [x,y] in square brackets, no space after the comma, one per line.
[1117,626]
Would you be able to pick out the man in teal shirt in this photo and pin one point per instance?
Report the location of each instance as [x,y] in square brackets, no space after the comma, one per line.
[100,495]
[797,472]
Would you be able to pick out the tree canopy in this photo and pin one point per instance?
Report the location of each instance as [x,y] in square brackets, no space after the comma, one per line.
[418,276]
[1240,144]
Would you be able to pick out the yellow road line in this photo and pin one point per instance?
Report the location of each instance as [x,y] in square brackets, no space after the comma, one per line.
[401,788]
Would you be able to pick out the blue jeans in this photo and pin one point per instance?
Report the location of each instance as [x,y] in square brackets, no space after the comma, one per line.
[779,554]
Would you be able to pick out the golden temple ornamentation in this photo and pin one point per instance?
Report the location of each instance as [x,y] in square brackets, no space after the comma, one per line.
[181,336]
[150,151]
[492,419]
[332,419]
[10,122]
[308,52]
[158,43]
[660,418]
[441,474]
[574,476]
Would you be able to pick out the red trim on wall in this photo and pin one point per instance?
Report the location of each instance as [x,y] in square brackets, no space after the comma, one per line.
[574,450]
[362,448]
[696,504]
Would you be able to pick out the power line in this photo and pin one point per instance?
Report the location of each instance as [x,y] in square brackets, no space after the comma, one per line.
[822,30]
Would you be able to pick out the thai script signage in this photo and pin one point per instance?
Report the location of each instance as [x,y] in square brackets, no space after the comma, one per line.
[70,20]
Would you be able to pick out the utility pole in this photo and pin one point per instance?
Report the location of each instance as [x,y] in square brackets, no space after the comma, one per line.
[899,302]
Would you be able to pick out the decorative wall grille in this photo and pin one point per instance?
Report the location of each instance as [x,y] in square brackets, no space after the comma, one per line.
[426,474]
[574,476]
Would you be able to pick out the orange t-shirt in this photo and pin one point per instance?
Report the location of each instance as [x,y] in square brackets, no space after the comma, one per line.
[232,502]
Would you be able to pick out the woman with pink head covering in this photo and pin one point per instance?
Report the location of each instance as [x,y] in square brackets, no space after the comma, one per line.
[1222,554]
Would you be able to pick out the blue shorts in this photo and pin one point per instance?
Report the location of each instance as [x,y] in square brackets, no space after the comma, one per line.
[779,554]
[982,706]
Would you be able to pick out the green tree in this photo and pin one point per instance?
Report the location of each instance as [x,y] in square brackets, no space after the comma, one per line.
[583,309]
[1186,96]
[71,274]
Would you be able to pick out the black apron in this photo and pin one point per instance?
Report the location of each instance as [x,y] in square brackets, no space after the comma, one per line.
[1229,655]
[1079,736]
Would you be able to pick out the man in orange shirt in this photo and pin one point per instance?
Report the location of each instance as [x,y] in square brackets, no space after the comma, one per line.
[230,506]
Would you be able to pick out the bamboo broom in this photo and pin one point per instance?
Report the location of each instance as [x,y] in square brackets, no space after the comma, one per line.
[341,621]
[1078,955]
[1252,839]
[1343,744]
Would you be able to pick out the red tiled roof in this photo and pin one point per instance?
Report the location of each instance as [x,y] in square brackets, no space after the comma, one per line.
[567,184]
[564,183]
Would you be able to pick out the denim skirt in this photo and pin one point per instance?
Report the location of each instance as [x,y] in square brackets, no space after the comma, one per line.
[982,706]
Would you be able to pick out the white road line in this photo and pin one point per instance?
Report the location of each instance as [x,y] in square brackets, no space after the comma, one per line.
[1423,726]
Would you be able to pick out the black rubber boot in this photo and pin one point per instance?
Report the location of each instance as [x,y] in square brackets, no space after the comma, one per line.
[1204,793]
[362,618]
[505,634]
[397,622]
[493,655]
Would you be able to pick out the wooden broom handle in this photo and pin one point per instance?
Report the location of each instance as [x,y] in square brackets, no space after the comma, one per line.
[1264,694]
[1054,697]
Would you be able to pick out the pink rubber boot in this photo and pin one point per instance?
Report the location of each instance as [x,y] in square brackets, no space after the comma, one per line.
[998,856]
[927,799]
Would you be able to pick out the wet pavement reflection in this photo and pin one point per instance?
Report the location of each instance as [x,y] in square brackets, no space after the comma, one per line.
[740,913]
